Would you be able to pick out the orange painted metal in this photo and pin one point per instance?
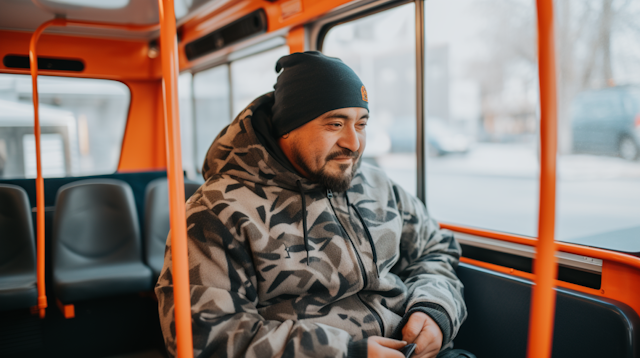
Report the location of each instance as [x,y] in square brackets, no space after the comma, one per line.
[104,58]
[68,311]
[545,268]
[33,62]
[619,282]
[178,220]
[143,145]
[612,256]
[295,39]
[221,13]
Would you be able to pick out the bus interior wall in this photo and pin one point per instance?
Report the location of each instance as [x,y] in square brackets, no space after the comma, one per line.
[498,286]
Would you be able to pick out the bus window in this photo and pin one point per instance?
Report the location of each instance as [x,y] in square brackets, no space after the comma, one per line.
[598,67]
[212,108]
[253,76]
[482,114]
[82,122]
[380,48]
[186,123]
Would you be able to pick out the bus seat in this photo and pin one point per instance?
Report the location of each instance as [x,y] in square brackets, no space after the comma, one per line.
[96,241]
[157,220]
[17,250]
[498,321]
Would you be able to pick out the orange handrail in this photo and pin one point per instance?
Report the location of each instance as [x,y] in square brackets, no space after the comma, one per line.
[33,63]
[543,297]
[613,256]
[178,221]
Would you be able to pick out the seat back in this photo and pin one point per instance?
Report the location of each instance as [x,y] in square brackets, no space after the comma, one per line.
[95,224]
[17,249]
[156,223]
[498,321]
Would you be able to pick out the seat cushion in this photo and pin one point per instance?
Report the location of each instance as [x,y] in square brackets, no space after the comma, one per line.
[93,282]
[18,291]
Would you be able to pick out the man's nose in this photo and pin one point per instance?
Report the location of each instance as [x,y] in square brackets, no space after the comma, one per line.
[349,139]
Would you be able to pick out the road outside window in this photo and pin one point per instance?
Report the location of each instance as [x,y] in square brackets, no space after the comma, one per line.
[598,62]
[482,100]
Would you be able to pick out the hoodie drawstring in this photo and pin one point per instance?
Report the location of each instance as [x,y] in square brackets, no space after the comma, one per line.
[304,219]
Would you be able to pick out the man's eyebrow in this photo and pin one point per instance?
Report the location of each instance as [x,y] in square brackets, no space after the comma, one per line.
[336,115]
[343,116]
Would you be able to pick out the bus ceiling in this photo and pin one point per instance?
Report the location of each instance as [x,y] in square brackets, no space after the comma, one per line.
[196,23]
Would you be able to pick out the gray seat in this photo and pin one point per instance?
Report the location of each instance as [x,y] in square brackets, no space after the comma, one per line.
[17,250]
[156,223]
[96,242]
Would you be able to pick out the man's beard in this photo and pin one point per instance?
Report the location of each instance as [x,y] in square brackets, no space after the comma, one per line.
[338,183]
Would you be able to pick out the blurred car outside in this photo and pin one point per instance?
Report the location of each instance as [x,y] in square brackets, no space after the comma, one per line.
[607,122]
[442,137]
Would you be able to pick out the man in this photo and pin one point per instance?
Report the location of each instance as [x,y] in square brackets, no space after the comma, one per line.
[297,248]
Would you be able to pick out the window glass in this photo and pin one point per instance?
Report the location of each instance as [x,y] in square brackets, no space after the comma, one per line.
[254,76]
[598,62]
[380,48]
[82,124]
[631,103]
[186,123]
[212,108]
[482,114]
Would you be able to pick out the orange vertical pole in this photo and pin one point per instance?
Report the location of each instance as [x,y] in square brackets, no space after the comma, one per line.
[178,221]
[33,63]
[295,39]
[545,266]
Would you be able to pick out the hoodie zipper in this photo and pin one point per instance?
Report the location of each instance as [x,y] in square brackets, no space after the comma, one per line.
[362,269]
[368,233]
[355,249]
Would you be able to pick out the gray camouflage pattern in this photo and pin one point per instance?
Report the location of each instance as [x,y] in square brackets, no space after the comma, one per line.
[256,291]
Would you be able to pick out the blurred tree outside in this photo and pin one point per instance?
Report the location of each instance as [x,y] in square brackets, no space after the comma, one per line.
[597,46]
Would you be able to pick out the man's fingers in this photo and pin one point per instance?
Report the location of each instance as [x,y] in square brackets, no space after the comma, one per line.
[426,347]
[412,328]
[389,342]
[379,347]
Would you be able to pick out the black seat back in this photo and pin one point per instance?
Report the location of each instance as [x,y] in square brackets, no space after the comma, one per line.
[17,250]
[157,220]
[498,322]
[95,223]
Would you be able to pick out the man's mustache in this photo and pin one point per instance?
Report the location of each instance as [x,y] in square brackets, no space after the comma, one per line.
[343,153]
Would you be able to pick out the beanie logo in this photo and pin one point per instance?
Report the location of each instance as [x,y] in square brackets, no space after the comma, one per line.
[364,94]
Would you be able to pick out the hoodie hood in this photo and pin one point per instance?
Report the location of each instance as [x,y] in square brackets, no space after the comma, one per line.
[238,152]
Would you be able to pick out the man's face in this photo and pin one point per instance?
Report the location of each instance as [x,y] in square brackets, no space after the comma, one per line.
[327,149]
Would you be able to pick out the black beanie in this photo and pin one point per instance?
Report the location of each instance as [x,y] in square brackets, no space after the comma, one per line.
[310,85]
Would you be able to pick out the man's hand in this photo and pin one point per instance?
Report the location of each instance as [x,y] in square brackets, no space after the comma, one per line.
[425,333]
[378,347]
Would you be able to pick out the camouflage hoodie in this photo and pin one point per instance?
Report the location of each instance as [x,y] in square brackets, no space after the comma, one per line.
[280,266]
